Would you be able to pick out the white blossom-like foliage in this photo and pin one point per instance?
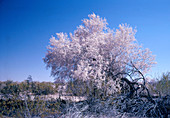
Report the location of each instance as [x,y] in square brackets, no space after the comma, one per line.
[94,51]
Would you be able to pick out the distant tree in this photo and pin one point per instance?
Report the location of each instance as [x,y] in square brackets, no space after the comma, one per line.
[160,85]
[163,85]
[29,79]
[96,53]
[10,88]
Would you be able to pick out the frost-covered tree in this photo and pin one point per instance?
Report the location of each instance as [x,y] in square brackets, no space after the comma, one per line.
[109,62]
[95,52]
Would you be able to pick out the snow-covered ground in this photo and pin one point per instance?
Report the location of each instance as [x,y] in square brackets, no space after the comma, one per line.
[52,97]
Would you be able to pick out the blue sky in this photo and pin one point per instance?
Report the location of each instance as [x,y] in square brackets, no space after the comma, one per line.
[27,25]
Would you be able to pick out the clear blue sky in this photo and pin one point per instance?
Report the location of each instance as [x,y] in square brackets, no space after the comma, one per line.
[27,25]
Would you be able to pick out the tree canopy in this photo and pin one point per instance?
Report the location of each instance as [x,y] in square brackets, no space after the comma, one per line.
[96,52]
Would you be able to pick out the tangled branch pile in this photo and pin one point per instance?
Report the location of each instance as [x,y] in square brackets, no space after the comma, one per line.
[134,100]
